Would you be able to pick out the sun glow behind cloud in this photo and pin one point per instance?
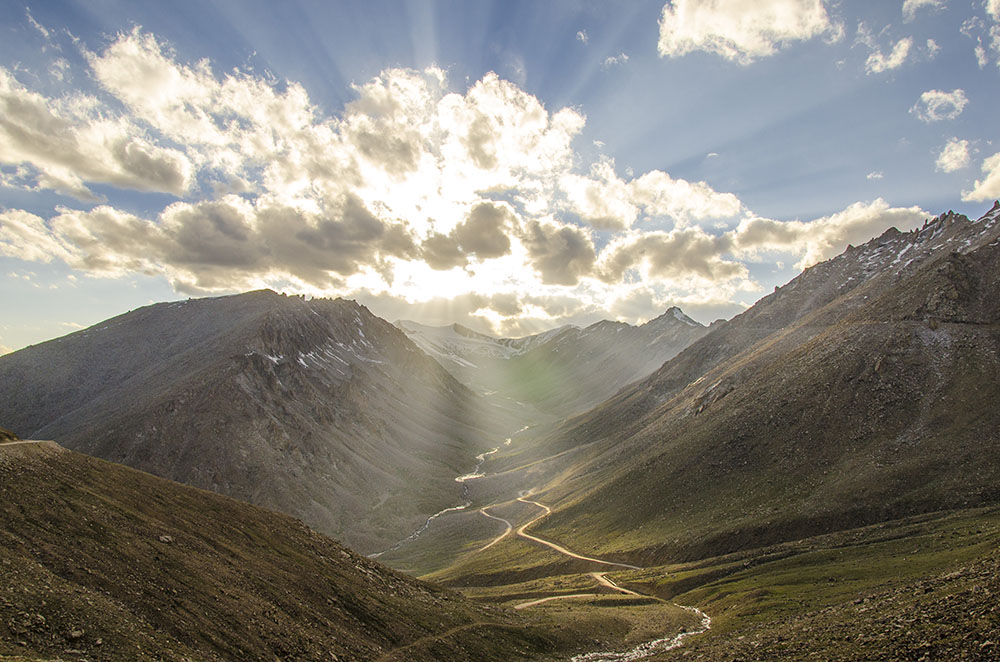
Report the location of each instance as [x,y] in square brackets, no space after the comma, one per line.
[419,190]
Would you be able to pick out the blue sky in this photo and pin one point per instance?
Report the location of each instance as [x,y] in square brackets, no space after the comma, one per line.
[510,165]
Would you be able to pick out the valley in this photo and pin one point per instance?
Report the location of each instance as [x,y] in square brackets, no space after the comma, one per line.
[783,507]
[816,477]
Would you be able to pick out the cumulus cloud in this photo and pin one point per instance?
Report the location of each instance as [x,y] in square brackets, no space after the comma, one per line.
[68,142]
[824,237]
[878,174]
[609,202]
[878,62]
[603,199]
[954,156]
[987,188]
[661,195]
[484,234]
[583,37]
[561,253]
[413,191]
[935,105]
[681,256]
[911,7]
[977,29]
[740,30]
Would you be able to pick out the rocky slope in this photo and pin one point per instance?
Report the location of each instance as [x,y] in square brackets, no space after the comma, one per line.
[564,370]
[859,392]
[102,562]
[315,408]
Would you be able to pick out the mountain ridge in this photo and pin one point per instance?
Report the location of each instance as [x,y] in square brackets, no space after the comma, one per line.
[800,418]
[317,408]
[560,371]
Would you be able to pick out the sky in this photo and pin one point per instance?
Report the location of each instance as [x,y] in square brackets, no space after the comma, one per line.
[512,166]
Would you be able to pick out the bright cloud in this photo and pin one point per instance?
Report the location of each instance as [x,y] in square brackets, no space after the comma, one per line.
[878,62]
[413,192]
[954,156]
[824,237]
[935,105]
[987,188]
[69,141]
[740,30]
[911,7]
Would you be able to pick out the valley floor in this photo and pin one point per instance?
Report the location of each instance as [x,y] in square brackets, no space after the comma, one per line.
[922,588]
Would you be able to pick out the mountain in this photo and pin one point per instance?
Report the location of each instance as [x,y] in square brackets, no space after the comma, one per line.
[862,391]
[315,408]
[561,371]
[102,562]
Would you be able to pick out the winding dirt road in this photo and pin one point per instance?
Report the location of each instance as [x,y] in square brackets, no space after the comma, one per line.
[510,527]
[559,548]
[642,650]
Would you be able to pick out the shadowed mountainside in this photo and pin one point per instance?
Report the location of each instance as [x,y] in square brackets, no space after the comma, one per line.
[315,408]
[861,391]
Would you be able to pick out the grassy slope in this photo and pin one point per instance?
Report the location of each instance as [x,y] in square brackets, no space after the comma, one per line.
[120,565]
[921,588]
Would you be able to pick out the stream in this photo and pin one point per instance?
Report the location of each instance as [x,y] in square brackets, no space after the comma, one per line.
[464,478]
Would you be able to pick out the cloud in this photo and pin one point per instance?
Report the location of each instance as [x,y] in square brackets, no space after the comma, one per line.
[661,195]
[68,142]
[988,188]
[935,105]
[607,201]
[561,253]
[413,191]
[27,237]
[976,28]
[878,63]
[483,234]
[603,199]
[910,7]
[824,237]
[878,174]
[740,30]
[954,156]
[614,60]
[681,256]
[42,30]
[582,36]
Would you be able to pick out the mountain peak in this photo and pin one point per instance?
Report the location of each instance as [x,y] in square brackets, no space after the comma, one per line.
[672,315]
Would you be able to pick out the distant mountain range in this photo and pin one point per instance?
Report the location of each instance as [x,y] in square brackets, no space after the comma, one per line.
[561,371]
